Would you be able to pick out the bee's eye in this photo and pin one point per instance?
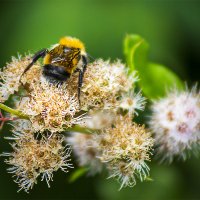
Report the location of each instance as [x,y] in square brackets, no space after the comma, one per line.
[66,49]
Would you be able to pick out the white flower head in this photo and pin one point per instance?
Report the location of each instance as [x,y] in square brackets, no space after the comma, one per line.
[33,158]
[176,123]
[125,147]
[86,151]
[104,82]
[10,76]
[50,107]
[99,119]
[132,102]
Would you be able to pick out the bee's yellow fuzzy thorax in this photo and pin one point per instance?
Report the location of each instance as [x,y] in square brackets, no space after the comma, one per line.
[72,42]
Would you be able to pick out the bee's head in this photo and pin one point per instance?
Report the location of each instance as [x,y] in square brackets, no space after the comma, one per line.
[71,42]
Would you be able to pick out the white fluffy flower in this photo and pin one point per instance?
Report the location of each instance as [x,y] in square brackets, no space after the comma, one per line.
[132,102]
[32,158]
[104,82]
[86,151]
[125,148]
[50,107]
[176,123]
[10,76]
[99,119]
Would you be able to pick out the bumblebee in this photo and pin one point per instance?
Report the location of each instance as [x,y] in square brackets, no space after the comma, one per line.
[62,60]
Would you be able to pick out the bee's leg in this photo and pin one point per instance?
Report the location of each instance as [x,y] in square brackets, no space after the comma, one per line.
[39,54]
[81,75]
[85,62]
[80,81]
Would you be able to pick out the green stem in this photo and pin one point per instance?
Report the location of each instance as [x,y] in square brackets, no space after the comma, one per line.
[13,111]
[80,129]
[21,115]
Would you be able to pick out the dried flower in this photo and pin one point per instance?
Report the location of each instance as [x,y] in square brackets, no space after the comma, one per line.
[50,107]
[55,107]
[10,76]
[104,82]
[120,145]
[32,158]
[176,123]
[32,76]
[125,149]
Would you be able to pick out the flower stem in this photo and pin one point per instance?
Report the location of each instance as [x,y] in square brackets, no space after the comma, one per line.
[80,129]
[13,111]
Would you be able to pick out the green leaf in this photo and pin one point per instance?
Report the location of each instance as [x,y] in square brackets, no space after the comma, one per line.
[135,50]
[155,79]
[77,174]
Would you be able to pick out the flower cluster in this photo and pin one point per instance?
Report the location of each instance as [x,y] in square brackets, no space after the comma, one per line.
[122,148]
[10,76]
[50,107]
[33,157]
[53,118]
[176,124]
[107,105]
[105,84]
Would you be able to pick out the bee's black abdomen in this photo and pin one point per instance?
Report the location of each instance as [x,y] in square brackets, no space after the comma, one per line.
[55,73]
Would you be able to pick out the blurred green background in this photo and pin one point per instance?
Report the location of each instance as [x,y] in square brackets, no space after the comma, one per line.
[173,30]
